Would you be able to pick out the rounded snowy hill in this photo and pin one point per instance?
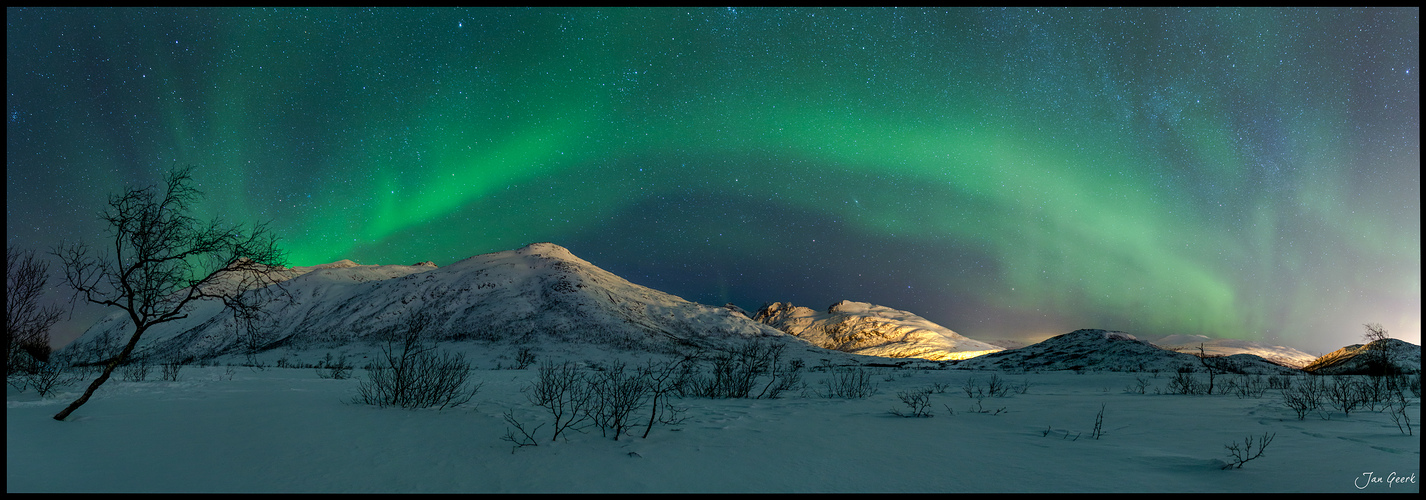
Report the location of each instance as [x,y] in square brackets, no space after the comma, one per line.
[868,329]
[1354,359]
[1282,355]
[1105,350]
[538,292]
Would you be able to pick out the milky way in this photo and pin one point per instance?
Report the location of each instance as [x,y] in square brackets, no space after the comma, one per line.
[1241,173]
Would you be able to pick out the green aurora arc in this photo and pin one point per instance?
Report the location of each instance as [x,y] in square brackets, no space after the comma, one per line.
[1227,172]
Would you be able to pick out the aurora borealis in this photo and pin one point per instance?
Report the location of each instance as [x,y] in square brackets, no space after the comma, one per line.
[1007,173]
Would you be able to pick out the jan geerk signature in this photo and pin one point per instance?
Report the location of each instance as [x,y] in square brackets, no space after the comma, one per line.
[1372,478]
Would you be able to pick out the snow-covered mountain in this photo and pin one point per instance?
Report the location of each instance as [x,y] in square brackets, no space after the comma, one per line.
[1282,355]
[1104,350]
[1353,359]
[862,328]
[538,292]
[1006,343]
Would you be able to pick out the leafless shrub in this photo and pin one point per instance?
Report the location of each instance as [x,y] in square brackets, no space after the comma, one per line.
[136,370]
[886,375]
[334,368]
[1098,423]
[996,386]
[736,373]
[561,390]
[1344,394]
[1396,409]
[1374,390]
[1241,455]
[917,401]
[1050,430]
[1139,386]
[616,395]
[46,376]
[524,358]
[526,438]
[1281,382]
[1314,389]
[409,374]
[663,380]
[972,388]
[1299,402]
[979,408]
[168,370]
[1402,382]
[1185,383]
[848,383]
[1249,386]
[1020,387]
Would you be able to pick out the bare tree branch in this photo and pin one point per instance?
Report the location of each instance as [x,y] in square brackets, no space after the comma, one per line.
[164,260]
[27,323]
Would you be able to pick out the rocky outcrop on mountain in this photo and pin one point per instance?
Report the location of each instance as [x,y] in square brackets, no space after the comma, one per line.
[862,328]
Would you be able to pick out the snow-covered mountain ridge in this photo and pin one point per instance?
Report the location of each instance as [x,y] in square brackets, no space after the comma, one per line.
[873,330]
[538,292]
[543,292]
[1355,358]
[1282,355]
[1105,350]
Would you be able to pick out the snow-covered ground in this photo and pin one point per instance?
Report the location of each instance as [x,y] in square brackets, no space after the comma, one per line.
[221,429]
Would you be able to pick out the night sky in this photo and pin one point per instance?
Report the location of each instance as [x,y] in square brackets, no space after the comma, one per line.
[1009,174]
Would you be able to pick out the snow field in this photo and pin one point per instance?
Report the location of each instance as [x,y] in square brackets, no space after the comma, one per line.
[287,430]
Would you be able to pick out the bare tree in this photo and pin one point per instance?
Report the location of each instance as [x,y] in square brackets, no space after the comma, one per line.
[1378,357]
[1375,332]
[161,261]
[1214,364]
[27,323]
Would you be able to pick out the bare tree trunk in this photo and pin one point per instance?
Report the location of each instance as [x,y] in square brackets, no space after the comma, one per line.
[108,370]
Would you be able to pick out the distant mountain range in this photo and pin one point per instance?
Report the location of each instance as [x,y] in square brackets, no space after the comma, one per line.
[1105,350]
[543,293]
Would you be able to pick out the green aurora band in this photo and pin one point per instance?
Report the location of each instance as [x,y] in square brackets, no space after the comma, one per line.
[1196,171]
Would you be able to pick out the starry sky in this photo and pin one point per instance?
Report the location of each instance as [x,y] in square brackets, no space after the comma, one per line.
[1007,173]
